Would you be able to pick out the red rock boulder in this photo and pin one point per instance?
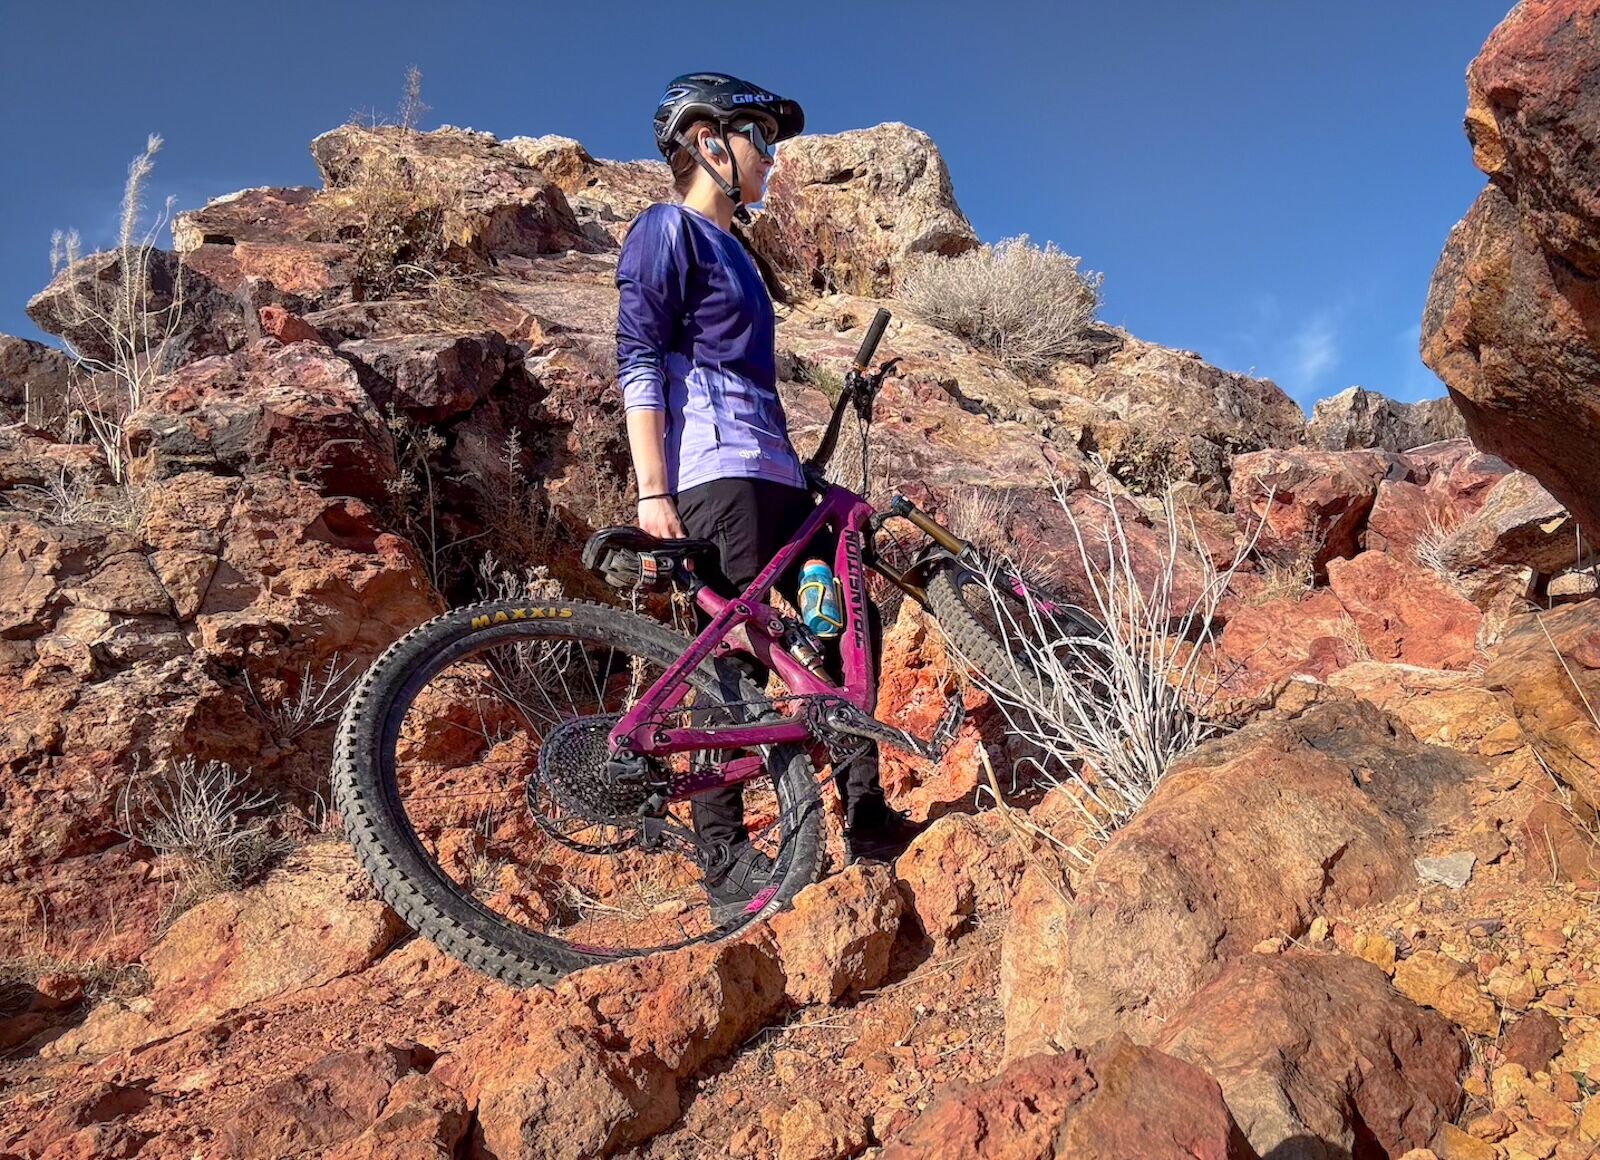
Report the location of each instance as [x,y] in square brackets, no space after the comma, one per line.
[1320,1047]
[1111,1102]
[1247,838]
[1309,504]
[1404,613]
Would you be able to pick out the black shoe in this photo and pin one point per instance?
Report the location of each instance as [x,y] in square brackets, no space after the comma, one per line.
[734,890]
[880,835]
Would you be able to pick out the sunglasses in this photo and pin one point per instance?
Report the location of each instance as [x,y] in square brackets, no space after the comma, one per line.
[752,132]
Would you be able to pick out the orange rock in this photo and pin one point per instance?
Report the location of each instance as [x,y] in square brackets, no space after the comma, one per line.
[1438,706]
[1182,889]
[835,941]
[1549,665]
[1448,987]
[1310,1046]
[1405,613]
[958,869]
[810,1130]
[1453,1144]
[1113,1100]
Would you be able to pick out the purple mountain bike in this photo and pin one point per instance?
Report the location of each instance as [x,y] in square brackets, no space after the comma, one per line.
[515,775]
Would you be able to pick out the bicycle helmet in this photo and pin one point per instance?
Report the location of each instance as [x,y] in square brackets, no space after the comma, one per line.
[721,98]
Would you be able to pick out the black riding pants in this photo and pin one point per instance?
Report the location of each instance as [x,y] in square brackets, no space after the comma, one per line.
[750,520]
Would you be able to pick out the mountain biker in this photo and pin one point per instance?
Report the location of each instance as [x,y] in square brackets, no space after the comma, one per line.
[709,438]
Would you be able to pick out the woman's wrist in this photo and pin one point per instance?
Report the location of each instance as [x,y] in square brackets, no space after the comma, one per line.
[657,495]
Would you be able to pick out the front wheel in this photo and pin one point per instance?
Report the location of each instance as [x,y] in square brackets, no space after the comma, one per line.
[990,626]
[469,769]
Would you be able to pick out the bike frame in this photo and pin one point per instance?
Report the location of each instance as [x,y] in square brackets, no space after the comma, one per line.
[748,624]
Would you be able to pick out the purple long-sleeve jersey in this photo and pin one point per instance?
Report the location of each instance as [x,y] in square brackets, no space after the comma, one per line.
[695,340]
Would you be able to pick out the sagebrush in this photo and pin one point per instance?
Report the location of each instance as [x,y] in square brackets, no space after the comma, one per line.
[1032,307]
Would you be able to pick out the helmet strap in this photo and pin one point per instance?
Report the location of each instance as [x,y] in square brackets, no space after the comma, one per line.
[729,189]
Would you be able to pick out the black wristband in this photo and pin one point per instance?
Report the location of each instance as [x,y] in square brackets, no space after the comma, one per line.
[658,495]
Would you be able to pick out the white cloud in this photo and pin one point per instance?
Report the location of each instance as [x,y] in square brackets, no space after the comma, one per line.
[1313,352]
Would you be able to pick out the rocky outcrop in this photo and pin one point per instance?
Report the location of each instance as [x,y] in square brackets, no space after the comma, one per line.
[1309,505]
[1289,636]
[34,383]
[1357,419]
[1246,839]
[1449,482]
[1514,306]
[296,411]
[845,210]
[605,196]
[1113,1100]
[493,204]
[1157,417]
[1548,664]
[1315,1054]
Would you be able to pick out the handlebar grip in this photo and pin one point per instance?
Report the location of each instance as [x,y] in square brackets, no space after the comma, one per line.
[869,345]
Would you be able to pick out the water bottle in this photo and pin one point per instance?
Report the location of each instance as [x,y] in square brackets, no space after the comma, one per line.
[819,600]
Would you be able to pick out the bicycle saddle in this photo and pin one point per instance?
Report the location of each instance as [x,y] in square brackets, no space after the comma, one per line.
[632,558]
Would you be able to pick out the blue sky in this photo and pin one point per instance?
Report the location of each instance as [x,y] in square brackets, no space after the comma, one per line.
[1267,183]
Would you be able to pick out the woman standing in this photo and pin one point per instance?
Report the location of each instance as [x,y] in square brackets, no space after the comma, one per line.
[698,368]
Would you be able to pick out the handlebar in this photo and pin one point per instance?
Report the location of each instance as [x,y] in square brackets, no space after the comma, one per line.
[869,344]
[860,386]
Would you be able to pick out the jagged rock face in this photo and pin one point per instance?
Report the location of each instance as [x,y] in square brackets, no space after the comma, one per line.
[33,382]
[1158,416]
[1514,306]
[1355,419]
[1549,665]
[1532,120]
[845,210]
[605,196]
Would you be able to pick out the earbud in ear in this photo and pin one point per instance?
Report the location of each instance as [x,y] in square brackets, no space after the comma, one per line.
[714,148]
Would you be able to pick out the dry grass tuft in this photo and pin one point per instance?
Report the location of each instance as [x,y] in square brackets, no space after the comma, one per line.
[1105,696]
[139,340]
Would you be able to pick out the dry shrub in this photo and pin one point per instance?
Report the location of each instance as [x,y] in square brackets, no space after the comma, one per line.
[204,822]
[1106,696]
[1031,307]
[69,500]
[316,699]
[1433,544]
[404,211]
[813,255]
[1291,579]
[139,336]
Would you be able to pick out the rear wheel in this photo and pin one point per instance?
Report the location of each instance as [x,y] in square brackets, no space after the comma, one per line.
[469,769]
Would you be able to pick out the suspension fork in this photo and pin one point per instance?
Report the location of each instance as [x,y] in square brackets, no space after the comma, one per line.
[912,579]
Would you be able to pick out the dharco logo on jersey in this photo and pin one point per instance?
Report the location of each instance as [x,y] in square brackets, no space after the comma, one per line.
[752,453]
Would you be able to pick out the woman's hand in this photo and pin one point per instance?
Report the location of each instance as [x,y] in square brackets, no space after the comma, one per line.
[659,517]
